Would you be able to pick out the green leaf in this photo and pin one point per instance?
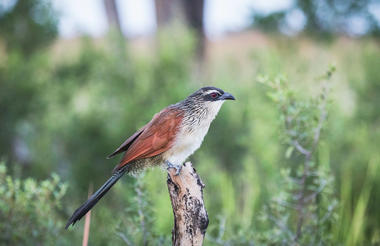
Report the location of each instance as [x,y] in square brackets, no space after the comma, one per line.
[289,152]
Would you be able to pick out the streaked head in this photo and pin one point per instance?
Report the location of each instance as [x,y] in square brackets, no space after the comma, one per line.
[211,94]
[208,99]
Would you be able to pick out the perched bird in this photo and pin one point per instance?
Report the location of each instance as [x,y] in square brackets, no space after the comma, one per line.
[169,138]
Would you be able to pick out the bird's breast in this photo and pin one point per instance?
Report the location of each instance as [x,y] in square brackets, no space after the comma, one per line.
[188,140]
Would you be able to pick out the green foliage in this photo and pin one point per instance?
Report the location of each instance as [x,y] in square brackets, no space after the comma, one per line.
[304,209]
[136,226]
[28,25]
[354,144]
[29,210]
[21,82]
[323,17]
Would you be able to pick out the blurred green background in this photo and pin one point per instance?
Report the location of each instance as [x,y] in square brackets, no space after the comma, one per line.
[65,104]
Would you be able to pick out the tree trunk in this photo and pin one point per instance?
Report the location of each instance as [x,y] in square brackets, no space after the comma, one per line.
[167,12]
[112,14]
[189,12]
[194,11]
[190,215]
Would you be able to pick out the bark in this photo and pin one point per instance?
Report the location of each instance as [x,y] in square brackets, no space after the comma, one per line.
[190,215]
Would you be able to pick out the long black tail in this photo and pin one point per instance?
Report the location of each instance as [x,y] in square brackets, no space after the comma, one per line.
[82,210]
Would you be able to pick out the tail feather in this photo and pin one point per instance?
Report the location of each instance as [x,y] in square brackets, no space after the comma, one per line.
[82,210]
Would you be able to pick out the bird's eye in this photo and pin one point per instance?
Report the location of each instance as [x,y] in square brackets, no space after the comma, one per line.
[214,95]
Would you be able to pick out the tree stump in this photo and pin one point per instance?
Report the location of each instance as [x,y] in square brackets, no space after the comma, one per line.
[190,215]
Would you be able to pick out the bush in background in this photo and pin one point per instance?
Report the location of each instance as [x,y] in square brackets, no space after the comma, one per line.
[30,210]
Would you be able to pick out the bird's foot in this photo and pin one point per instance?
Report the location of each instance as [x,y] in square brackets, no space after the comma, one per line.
[176,167]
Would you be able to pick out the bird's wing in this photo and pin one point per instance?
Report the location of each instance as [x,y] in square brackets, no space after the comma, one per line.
[157,137]
[127,143]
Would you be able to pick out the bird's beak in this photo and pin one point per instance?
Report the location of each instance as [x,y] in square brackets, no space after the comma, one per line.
[227,96]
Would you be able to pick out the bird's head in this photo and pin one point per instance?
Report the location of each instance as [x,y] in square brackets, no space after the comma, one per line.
[211,94]
[208,98]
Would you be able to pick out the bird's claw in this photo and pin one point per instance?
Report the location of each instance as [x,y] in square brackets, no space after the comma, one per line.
[176,167]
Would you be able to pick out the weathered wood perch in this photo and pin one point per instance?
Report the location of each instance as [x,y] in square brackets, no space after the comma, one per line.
[190,215]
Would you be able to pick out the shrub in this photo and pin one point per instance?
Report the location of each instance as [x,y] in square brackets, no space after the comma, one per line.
[29,210]
[304,209]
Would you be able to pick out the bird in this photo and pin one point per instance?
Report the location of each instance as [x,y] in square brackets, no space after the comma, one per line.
[172,135]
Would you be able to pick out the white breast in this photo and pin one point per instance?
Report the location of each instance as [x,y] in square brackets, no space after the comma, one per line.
[189,139]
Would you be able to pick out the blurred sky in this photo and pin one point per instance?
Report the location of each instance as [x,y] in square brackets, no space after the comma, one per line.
[138,16]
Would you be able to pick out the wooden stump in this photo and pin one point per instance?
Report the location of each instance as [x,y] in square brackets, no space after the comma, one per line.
[190,215]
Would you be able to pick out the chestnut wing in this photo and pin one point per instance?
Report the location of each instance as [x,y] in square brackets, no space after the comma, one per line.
[127,143]
[157,137]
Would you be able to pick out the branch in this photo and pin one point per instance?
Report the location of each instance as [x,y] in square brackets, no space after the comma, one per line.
[86,229]
[190,215]
[316,139]
[300,148]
